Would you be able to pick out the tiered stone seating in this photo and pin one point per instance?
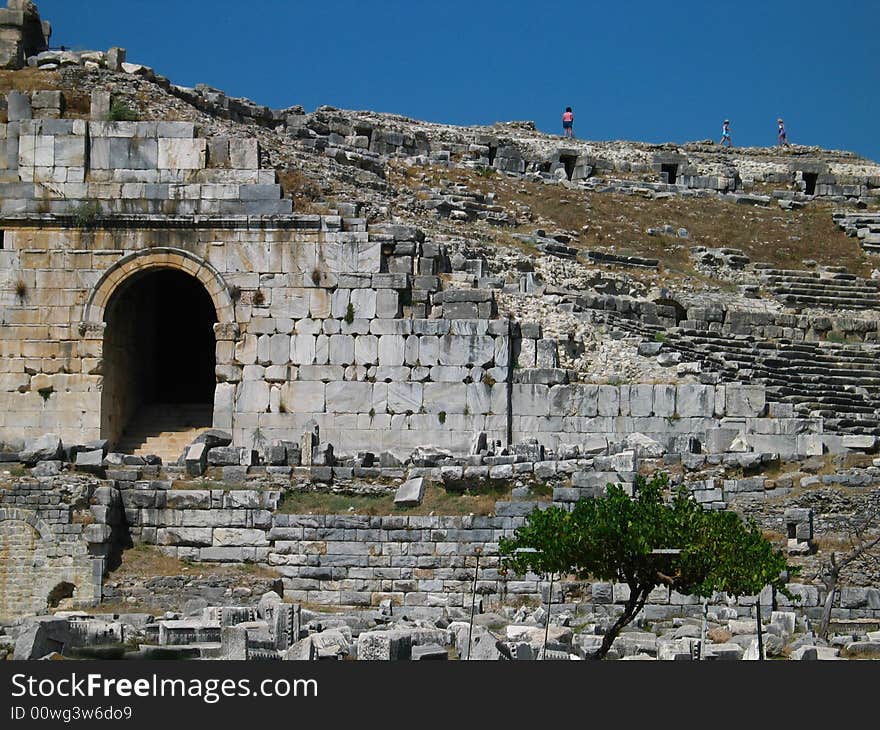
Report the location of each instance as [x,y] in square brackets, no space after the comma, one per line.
[804,289]
[866,226]
[838,382]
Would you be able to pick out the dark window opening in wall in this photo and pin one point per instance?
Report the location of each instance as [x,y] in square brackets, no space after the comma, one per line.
[159,357]
[810,180]
[569,161]
[493,150]
[59,593]
[671,172]
[792,530]
[365,132]
[1,239]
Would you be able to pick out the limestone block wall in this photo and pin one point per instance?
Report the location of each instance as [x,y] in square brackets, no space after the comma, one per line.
[360,560]
[314,324]
[671,414]
[58,166]
[51,536]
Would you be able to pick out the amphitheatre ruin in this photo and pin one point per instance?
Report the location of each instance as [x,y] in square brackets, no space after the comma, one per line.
[274,384]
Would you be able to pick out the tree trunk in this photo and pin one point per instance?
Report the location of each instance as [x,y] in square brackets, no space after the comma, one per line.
[831,588]
[634,604]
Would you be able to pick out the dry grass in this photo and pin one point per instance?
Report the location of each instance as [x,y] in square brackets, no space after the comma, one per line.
[437,500]
[618,221]
[147,560]
[305,192]
[78,104]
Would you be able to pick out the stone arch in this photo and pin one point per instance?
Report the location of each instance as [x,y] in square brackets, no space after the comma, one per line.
[158,258]
[26,542]
[13,514]
[63,590]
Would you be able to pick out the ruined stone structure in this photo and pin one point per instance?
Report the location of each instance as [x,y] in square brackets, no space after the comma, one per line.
[22,33]
[55,544]
[155,282]
[146,265]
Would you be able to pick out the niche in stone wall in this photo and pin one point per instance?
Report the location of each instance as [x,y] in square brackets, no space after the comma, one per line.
[62,592]
[570,162]
[810,180]
[669,171]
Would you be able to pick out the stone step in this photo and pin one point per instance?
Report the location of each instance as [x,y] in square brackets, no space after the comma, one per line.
[165,429]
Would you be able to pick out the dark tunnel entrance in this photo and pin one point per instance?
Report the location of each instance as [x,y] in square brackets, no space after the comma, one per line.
[159,351]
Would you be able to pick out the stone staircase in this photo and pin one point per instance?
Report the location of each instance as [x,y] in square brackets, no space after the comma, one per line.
[830,290]
[165,429]
[865,226]
[838,382]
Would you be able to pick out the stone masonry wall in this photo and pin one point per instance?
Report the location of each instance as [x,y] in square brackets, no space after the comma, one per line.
[414,561]
[321,320]
[51,535]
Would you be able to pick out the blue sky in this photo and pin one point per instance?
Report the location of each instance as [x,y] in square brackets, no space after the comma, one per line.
[655,71]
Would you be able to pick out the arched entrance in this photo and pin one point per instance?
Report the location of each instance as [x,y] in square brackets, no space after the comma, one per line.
[158,356]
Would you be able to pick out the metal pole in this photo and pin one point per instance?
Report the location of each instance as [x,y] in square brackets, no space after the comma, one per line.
[760,632]
[547,626]
[473,604]
[703,628]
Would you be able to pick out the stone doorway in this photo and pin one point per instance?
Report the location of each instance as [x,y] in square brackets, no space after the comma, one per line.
[158,361]
[569,162]
[810,180]
[670,171]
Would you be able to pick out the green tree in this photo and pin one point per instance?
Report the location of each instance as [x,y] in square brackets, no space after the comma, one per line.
[644,542]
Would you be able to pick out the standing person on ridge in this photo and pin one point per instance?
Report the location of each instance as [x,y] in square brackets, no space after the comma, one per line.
[568,123]
[783,138]
[725,134]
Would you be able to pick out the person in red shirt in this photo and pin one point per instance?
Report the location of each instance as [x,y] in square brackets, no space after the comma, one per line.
[568,123]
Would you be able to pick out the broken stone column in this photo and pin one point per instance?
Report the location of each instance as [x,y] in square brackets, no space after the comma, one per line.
[100,107]
[308,443]
[115,58]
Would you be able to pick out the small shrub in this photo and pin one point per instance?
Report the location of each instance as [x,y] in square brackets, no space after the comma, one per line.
[660,337]
[486,171]
[121,112]
[349,313]
[86,214]
[441,416]
[259,298]
[372,413]
[45,393]
[21,289]
[488,380]
[316,276]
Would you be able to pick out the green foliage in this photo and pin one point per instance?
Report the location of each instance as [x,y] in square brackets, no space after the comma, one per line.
[21,289]
[442,416]
[660,337]
[86,214]
[485,171]
[46,393]
[349,313]
[617,538]
[121,112]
